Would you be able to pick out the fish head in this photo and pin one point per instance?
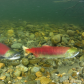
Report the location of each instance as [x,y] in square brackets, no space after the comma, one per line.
[12,55]
[25,49]
[72,52]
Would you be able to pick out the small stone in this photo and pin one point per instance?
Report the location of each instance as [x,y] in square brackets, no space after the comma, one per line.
[38,74]
[19,78]
[74,74]
[17,73]
[70,32]
[2,77]
[83,70]
[81,64]
[77,31]
[25,61]
[1,82]
[31,77]
[56,39]
[2,65]
[83,35]
[16,45]
[17,82]
[63,78]
[22,68]
[64,40]
[82,42]
[45,80]
[34,61]
[35,69]
[65,82]
[10,32]
[42,69]
[51,34]
[72,80]
[82,58]
[52,83]
[32,36]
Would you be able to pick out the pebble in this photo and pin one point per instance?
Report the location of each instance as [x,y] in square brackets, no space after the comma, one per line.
[81,64]
[82,42]
[63,78]
[22,68]
[51,34]
[45,80]
[1,82]
[70,32]
[16,45]
[32,36]
[34,61]
[38,74]
[2,77]
[17,73]
[35,69]
[83,70]
[65,82]
[82,35]
[42,69]
[64,40]
[74,74]
[2,65]
[17,82]
[56,39]
[25,61]
[52,83]
[82,58]
[31,77]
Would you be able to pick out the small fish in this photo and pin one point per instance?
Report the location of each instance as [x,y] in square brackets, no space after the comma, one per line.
[7,53]
[52,52]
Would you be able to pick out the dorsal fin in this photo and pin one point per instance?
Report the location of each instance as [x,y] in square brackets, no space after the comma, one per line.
[45,46]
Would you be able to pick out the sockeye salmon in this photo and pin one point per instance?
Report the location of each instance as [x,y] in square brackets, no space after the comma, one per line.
[52,52]
[7,53]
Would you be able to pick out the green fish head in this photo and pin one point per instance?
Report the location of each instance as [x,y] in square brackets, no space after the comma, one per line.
[12,55]
[72,52]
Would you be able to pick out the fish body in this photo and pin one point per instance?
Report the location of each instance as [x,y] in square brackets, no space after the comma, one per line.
[7,53]
[53,52]
[3,49]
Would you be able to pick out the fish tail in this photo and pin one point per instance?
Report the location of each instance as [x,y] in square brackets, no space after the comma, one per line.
[25,52]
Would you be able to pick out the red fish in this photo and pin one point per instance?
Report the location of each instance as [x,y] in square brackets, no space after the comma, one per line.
[52,52]
[7,53]
[3,49]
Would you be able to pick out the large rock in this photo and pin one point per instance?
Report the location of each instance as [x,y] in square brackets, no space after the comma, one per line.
[56,39]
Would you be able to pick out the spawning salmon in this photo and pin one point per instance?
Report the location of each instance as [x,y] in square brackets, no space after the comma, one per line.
[7,53]
[52,52]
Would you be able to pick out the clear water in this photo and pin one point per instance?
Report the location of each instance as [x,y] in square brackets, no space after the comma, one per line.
[54,11]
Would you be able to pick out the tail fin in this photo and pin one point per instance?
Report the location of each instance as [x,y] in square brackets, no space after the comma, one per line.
[24,48]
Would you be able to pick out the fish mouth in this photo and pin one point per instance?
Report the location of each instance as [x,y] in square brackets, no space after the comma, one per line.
[75,54]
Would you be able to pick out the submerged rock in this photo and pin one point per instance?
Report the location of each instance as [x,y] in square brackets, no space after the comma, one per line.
[17,73]
[25,61]
[35,69]
[22,68]
[16,45]
[56,39]
[70,32]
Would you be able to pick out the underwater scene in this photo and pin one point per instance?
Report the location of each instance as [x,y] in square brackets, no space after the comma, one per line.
[41,41]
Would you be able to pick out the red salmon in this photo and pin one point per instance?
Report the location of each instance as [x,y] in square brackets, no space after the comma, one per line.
[7,53]
[52,52]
